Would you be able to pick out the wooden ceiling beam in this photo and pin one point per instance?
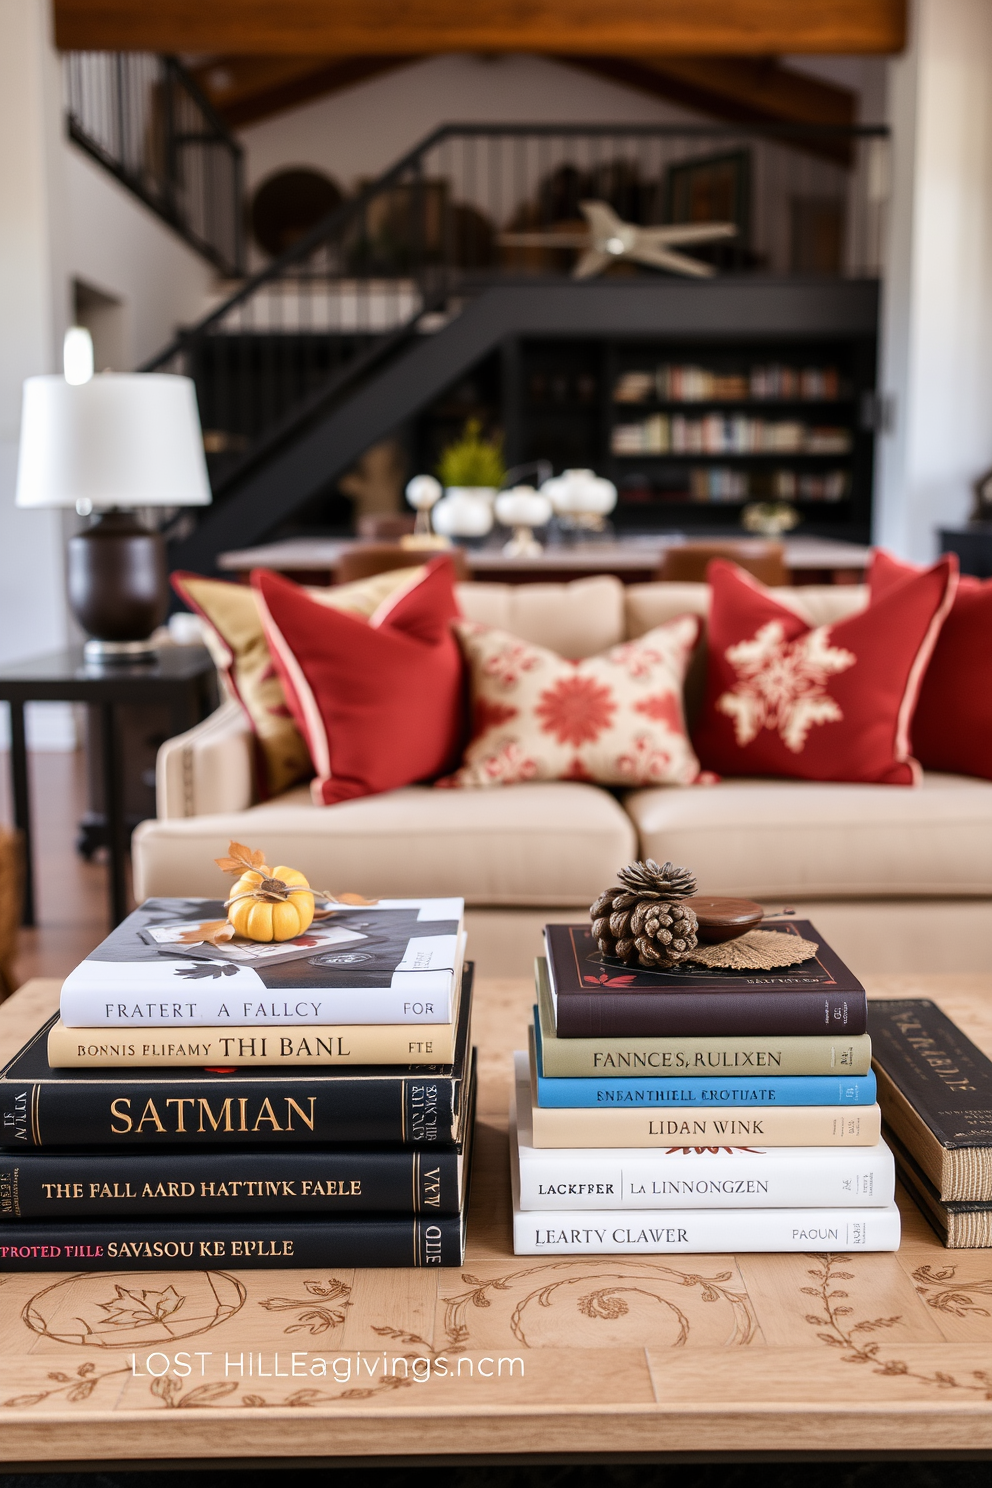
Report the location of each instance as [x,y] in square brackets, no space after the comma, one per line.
[744,90]
[422,27]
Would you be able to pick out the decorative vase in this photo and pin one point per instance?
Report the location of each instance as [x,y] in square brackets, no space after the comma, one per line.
[465,512]
[582,499]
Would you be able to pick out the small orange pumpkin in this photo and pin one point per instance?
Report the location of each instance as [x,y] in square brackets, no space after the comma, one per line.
[266,903]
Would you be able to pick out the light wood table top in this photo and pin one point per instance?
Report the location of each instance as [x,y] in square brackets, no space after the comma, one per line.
[622,1355]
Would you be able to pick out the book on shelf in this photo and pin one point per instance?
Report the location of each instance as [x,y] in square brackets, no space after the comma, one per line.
[596,996]
[150,1182]
[691,1178]
[609,1231]
[260,1242]
[415,1102]
[696,1126]
[935,1091]
[394,961]
[961,1226]
[665,1091]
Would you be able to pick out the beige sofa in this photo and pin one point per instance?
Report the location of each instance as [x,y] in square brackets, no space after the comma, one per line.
[898,879]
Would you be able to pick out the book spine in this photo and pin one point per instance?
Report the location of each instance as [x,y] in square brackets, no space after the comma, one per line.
[96,1048]
[622,1058]
[227,1112]
[802,1090]
[94,1007]
[784,1126]
[66,1186]
[804,1178]
[738,1014]
[198,1244]
[602,1232]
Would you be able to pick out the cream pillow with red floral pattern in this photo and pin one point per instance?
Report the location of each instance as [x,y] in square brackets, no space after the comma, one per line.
[614,719]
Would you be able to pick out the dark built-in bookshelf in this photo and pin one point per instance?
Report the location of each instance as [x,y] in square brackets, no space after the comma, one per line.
[691,427]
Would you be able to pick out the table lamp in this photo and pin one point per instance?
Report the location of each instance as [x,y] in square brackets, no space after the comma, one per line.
[111,444]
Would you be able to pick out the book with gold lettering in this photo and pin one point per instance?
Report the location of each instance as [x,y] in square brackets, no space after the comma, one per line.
[217,1182]
[411,1103]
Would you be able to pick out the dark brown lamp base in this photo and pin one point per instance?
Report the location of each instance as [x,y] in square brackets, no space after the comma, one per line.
[118,585]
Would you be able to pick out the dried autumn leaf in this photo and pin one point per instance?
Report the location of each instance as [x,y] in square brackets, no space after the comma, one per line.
[240,859]
[210,932]
[354,899]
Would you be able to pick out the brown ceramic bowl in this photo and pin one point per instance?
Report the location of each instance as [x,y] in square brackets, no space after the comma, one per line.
[724,919]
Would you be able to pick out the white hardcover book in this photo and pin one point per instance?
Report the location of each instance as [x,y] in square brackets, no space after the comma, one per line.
[549,1232]
[751,1177]
[169,964]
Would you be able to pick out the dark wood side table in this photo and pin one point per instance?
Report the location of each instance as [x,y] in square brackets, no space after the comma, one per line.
[182,677]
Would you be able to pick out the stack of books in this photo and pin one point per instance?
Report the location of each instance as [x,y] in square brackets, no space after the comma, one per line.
[694,1110]
[935,1091]
[307,1103]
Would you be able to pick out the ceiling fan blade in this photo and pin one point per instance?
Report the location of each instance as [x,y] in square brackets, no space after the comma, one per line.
[592,262]
[603,221]
[676,263]
[690,232]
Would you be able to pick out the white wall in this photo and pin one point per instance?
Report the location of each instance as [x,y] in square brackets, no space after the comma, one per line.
[33,313]
[361,131]
[118,246]
[937,323]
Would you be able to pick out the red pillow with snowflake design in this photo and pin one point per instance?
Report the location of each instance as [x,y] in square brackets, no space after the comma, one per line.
[831,702]
[615,719]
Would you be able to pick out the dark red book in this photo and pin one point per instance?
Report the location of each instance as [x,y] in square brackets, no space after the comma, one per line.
[598,997]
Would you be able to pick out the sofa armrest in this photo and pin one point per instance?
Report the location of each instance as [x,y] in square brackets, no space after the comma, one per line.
[207,769]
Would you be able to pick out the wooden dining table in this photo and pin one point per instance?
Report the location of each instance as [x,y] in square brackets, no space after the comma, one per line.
[633,560]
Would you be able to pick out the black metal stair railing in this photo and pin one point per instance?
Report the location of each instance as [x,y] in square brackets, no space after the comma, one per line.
[146,121]
[399,258]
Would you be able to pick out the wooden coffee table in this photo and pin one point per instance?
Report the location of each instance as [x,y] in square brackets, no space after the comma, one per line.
[624,1357]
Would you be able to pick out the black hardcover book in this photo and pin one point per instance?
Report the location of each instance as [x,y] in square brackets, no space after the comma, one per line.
[959,1226]
[146,1182]
[241,1244]
[935,1091]
[598,997]
[414,1105]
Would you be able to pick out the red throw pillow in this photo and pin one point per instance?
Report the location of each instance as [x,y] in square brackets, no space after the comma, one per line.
[831,702]
[952,726]
[380,703]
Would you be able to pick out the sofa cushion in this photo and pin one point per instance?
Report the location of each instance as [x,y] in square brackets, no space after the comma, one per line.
[648,605]
[827,702]
[232,631]
[952,725]
[615,718]
[379,702]
[576,620]
[789,839]
[554,843]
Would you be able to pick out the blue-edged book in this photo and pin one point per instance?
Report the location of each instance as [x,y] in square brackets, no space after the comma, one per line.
[772,1090]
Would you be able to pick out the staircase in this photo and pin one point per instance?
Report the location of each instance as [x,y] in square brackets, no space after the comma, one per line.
[407,286]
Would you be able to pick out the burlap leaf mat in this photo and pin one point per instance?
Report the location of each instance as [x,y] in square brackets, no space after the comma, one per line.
[757,950]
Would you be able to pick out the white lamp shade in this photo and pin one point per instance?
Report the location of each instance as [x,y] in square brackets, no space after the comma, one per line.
[119,440]
[577,493]
[523,507]
[423,492]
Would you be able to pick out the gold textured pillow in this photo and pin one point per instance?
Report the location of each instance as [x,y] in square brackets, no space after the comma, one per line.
[235,639]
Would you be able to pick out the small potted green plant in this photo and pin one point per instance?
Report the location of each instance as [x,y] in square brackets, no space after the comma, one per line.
[471,470]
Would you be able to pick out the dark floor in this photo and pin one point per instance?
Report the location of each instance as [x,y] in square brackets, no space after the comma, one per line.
[749,1475]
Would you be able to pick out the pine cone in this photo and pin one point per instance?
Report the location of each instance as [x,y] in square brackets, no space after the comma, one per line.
[643,919]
